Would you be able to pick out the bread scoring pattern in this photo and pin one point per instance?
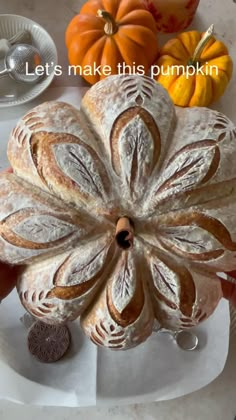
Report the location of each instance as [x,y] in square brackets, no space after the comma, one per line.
[127,153]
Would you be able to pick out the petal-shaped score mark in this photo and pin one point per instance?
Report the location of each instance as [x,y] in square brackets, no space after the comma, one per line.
[135,148]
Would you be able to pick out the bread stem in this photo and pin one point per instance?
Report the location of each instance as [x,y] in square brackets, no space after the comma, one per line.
[124,233]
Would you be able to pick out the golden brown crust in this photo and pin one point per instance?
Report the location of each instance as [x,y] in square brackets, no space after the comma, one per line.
[127,154]
[118,127]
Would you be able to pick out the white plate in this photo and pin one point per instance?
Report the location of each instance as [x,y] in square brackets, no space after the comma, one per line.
[11,92]
[154,371]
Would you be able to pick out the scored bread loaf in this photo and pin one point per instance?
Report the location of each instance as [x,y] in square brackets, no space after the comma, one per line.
[120,213]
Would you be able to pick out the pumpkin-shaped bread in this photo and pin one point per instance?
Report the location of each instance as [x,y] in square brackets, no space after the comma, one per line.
[120,213]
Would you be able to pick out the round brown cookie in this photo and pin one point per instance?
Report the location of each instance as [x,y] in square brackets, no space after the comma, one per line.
[48,343]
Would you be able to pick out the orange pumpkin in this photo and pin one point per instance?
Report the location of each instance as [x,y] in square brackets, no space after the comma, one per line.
[111,34]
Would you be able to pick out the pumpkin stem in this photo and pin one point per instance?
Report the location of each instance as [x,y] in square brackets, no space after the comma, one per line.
[110,27]
[124,233]
[202,43]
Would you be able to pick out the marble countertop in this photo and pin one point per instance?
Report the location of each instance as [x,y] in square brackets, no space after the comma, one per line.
[217,400]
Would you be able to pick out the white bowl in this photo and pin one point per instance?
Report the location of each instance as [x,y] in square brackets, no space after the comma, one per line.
[11,92]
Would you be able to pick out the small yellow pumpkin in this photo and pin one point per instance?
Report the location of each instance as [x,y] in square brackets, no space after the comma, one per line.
[195,68]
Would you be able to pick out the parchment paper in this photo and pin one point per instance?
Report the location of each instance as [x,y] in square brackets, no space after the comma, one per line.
[156,370]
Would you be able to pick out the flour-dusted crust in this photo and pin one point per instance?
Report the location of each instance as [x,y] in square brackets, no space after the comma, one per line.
[126,152]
